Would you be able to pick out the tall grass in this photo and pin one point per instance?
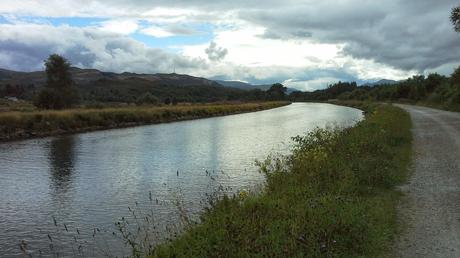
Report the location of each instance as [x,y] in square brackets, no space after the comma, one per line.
[16,125]
[333,197]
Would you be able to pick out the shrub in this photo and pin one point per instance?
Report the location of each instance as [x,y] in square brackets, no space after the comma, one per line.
[50,98]
[147,98]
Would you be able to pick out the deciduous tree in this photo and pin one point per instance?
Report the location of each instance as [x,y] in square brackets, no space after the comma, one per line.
[59,92]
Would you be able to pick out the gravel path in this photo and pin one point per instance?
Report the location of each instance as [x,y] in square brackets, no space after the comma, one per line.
[431,208]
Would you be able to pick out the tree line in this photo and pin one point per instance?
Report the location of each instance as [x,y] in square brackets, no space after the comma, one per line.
[61,92]
[434,88]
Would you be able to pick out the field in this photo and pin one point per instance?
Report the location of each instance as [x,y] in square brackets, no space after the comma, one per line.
[27,124]
[334,196]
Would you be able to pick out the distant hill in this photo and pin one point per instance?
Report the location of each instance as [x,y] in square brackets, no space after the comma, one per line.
[23,78]
[99,86]
[380,82]
[86,76]
[242,85]
[248,86]
[95,85]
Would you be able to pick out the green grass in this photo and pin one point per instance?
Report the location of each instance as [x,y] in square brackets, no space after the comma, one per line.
[443,106]
[436,105]
[23,106]
[335,196]
[17,125]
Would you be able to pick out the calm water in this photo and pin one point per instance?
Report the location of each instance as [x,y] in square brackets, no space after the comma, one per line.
[88,181]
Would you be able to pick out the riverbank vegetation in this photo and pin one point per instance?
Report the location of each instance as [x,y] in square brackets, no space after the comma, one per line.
[334,196]
[19,125]
[434,90]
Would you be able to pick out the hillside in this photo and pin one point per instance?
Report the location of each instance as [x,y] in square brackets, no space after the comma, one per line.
[248,86]
[242,85]
[98,86]
[87,76]
[128,89]
[380,82]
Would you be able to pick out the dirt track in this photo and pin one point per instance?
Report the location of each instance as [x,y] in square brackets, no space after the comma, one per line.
[431,208]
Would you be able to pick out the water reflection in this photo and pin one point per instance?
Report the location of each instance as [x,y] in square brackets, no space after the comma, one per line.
[62,159]
[89,180]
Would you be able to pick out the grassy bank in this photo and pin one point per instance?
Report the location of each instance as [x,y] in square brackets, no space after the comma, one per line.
[333,197]
[365,104]
[442,106]
[20,125]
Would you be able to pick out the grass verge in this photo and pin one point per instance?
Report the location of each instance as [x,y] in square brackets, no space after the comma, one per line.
[334,196]
[364,104]
[20,125]
[441,106]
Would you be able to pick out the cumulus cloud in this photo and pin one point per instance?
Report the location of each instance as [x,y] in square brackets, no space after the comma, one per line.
[157,32]
[407,35]
[25,46]
[296,41]
[104,8]
[124,27]
[168,31]
[215,53]
[181,30]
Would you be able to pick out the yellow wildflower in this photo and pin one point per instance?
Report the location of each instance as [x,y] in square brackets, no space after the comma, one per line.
[243,194]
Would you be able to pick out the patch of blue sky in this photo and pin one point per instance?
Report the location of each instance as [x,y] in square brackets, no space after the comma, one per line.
[55,21]
[76,21]
[3,20]
[173,41]
[202,34]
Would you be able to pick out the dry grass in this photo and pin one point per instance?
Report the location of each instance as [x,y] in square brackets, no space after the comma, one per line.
[19,125]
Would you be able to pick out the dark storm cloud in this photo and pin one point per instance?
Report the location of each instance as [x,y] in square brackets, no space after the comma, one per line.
[408,35]
[216,5]
[269,34]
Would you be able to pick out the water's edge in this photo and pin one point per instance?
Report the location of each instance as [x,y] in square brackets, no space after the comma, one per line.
[23,134]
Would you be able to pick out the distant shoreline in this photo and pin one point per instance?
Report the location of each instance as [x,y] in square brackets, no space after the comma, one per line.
[27,125]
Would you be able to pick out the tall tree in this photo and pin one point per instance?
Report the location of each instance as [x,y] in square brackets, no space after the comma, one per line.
[277,92]
[58,72]
[455,18]
[59,92]
[455,77]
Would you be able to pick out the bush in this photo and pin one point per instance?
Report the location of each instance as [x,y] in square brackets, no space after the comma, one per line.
[147,98]
[50,98]
[455,78]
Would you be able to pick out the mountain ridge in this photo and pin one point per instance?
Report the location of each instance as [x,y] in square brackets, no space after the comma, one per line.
[98,86]
[85,76]
[380,82]
[248,86]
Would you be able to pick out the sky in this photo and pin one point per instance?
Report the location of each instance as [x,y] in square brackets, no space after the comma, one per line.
[303,44]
